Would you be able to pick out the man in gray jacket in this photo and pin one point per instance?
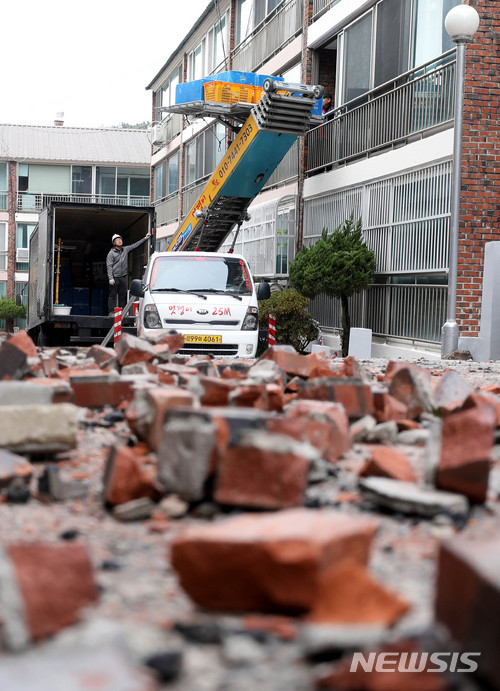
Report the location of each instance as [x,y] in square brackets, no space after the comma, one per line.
[117,268]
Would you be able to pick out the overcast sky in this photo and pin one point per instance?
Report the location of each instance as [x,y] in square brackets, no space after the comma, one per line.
[91,60]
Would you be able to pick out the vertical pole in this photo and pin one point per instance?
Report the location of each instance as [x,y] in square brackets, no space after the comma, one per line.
[449,332]
[117,325]
[271,337]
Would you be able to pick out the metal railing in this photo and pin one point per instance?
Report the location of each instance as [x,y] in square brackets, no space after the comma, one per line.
[270,36]
[190,194]
[321,6]
[36,201]
[167,209]
[415,312]
[414,103]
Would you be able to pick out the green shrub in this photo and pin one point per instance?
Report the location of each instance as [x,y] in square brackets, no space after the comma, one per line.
[294,324]
[339,264]
[9,309]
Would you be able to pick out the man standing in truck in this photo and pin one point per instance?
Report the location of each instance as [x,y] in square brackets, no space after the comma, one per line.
[117,268]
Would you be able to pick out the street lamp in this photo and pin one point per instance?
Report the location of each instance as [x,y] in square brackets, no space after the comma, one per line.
[461,23]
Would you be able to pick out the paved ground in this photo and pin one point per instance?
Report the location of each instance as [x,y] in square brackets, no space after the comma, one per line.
[142,611]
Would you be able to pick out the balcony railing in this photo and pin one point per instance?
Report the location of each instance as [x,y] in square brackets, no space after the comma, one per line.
[417,102]
[415,312]
[167,209]
[270,36]
[321,6]
[36,201]
[190,195]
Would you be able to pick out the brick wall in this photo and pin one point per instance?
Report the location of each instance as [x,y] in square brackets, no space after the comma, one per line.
[11,233]
[480,191]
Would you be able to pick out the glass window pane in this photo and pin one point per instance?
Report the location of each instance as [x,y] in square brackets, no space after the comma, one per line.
[81,181]
[431,38]
[392,39]
[244,26]
[219,43]
[106,180]
[173,173]
[358,41]
[3,177]
[197,64]
[158,185]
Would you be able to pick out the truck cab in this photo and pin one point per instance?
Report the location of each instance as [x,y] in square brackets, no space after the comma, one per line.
[209,297]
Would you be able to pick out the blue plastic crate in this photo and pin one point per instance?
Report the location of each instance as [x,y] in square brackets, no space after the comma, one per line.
[190,91]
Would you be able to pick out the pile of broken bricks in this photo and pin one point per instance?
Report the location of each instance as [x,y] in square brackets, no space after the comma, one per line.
[276,485]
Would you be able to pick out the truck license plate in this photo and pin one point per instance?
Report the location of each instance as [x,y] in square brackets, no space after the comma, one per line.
[196,338]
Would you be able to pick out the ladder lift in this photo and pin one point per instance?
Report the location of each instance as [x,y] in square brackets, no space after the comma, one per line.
[263,133]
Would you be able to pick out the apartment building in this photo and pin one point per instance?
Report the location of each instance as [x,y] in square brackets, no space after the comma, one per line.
[57,163]
[385,154]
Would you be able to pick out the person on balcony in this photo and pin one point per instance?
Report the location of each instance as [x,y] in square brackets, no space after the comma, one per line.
[117,268]
[327,106]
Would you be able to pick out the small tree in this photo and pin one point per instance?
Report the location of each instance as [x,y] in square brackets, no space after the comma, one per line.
[339,264]
[294,324]
[10,311]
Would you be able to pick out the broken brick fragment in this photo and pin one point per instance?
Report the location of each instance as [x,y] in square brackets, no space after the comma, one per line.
[267,563]
[151,405]
[387,408]
[353,394]
[286,357]
[467,440]
[131,349]
[326,426]
[55,582]
[13,466]
[348,594]
[126,477]
[265,471]
[467,598]
[386,461]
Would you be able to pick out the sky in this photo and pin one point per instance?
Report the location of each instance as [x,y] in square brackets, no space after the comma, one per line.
[90,60]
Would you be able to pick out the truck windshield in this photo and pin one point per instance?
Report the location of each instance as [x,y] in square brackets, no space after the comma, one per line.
[229,275]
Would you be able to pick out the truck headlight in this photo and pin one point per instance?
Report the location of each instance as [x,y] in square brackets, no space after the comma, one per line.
[151,317]
[251,321]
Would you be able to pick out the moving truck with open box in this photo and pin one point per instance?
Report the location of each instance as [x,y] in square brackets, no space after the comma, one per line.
[68,284]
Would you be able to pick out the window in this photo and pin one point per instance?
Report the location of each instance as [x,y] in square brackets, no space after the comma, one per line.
[3,186]
[167,92]
[3,246]
[81,180]
[204,153]
[391,38]
[24,231]
[127,183]
[211,53]
[166,177]
[431,38]
[250,13]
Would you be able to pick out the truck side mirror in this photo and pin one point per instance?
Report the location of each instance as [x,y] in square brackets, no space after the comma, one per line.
[136,288]
[263,291]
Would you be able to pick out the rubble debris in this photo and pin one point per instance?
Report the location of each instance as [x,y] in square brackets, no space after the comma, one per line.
[267,562]
[38,428]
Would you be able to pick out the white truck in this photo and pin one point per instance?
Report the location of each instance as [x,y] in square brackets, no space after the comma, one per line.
[209,297]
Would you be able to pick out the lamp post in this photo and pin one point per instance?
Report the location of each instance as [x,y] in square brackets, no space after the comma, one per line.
[461,23]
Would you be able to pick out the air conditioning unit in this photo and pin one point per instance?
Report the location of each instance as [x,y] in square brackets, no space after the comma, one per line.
[159,133]
[22,255]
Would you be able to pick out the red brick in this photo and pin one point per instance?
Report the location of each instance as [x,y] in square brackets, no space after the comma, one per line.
[253,475]
[13,466]
[56,583]
[468,598]
[267,563]
[131,349]
[353,394]
[348,594]
[387,408]
[152,406]
[385,461]
[466,446]
[289,360]
[126,477]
